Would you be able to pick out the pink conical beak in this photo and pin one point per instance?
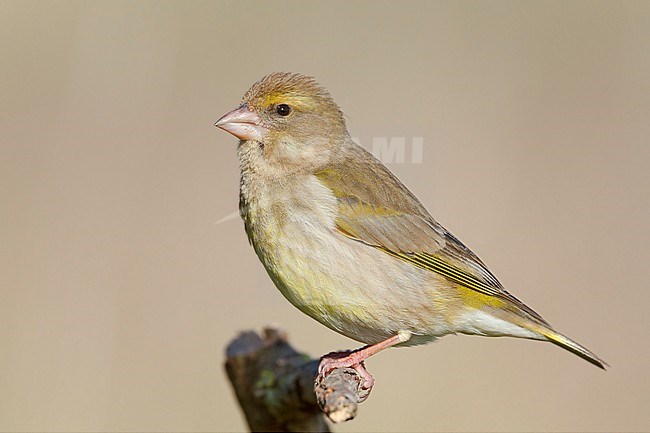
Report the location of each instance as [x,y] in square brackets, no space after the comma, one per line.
[243,123]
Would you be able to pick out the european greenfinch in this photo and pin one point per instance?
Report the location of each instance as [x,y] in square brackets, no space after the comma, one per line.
[348,244]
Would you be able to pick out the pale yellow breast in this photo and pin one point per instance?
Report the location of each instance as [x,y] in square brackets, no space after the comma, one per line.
[350,287]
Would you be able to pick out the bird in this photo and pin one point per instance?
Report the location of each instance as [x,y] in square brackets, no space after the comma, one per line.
[348,244]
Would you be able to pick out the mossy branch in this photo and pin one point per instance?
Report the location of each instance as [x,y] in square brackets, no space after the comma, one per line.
[276,389]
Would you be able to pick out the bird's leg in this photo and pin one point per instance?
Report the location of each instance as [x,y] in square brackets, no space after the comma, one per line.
[354,359]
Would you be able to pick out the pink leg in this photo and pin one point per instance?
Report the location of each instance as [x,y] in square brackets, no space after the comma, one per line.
[355,359]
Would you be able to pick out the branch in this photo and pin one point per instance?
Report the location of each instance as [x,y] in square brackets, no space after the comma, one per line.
[276,388]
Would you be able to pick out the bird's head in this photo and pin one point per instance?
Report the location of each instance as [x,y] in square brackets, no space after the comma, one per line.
[290,118]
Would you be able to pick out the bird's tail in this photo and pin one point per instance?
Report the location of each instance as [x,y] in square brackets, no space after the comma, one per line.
[563,341]
[570,345]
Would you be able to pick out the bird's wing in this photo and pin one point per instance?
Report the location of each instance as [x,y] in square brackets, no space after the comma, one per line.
[388,217]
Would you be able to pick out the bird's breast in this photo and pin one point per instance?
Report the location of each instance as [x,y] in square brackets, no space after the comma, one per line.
[348,286]
[291,226]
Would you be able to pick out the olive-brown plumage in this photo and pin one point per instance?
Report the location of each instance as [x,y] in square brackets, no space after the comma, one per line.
[347,243]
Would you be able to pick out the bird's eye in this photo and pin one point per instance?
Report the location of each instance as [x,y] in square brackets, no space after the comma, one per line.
[283,109]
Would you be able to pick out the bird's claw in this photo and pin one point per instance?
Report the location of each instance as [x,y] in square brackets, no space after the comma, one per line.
[332,361]
[346,359]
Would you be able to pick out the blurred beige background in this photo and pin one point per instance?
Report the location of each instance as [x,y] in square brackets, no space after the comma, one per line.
[119,293]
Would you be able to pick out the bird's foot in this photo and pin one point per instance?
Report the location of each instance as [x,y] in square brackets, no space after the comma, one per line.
[346,359]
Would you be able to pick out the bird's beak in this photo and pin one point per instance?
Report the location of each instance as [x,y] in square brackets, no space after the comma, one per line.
[243,123]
